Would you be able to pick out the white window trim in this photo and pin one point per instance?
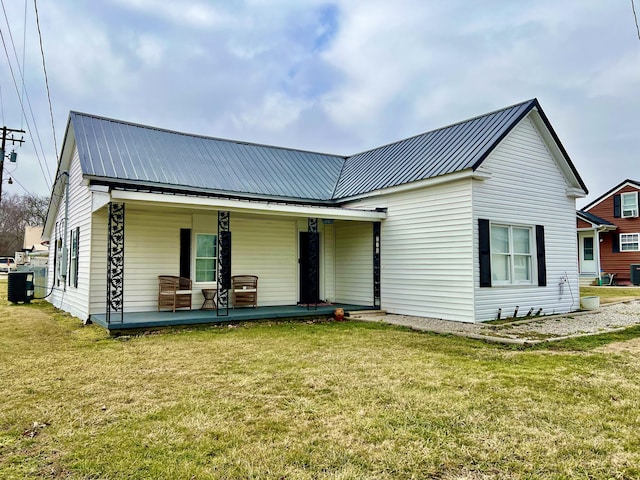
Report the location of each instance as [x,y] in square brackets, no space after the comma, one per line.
[633,211]
[636,241]
[195,259]
[511,254]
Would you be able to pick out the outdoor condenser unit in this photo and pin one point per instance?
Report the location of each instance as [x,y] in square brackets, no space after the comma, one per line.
[635,273]
[20,287]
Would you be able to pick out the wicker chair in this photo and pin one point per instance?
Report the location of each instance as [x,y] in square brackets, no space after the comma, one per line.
[174,292]
[245,290]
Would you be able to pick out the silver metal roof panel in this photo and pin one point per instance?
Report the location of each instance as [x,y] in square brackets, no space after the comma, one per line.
[123,152]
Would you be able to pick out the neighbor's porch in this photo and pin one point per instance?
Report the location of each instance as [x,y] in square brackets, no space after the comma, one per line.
[323,256]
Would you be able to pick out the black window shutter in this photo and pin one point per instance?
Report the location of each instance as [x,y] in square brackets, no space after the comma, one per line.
[185,252]
[484,244]
[615,243]
[541,256]
[68,279]
[224,260]
[75,276]
[616,206]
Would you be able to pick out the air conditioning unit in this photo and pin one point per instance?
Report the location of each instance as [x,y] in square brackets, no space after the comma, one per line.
[635,274]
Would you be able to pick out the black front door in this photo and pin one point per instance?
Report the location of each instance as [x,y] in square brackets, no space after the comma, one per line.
[306,286]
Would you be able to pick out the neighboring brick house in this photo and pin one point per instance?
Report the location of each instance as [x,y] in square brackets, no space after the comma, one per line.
[611,221]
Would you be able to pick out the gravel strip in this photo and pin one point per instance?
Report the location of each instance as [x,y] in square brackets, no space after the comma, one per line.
[608,318]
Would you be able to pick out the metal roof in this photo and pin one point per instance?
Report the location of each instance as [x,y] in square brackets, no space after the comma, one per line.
[131,154]
[439,152]
[138,154]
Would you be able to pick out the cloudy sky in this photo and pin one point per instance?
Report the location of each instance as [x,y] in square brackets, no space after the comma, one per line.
[337,77]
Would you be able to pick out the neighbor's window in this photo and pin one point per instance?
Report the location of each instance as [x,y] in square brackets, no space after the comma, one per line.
[511,257]
[588,248]
[629,242]
[206,257]
[629,204]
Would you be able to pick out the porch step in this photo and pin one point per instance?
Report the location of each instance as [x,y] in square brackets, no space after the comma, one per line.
[587,280]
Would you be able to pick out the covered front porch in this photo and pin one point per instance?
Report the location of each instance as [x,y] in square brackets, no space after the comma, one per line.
[323,256]
[145,320]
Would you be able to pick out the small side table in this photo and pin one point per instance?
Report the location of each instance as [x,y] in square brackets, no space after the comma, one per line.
[210,295]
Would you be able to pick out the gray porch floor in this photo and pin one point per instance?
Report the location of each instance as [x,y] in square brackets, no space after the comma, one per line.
[135,320]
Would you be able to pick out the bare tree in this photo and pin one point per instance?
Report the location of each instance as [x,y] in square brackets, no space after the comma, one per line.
[16,212]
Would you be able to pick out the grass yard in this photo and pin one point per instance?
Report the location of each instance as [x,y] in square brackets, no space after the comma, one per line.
[307,400]
[611,294]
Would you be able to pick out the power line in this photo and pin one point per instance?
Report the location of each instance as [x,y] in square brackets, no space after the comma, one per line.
[24,50]
[635,17]
[46,79]
[47,175]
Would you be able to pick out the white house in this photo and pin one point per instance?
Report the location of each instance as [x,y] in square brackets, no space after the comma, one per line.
[465,223]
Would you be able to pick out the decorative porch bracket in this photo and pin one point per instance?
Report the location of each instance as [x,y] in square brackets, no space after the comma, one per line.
[314,262]
[376,264]
[224,263]
[115,261]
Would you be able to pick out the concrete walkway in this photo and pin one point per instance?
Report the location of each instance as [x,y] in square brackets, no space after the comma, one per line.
[528,331]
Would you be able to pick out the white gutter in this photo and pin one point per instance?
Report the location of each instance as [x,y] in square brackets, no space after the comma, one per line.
[246,206]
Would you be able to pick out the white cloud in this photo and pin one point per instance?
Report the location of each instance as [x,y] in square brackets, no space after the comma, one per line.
[618,78]
[150,50]
[191,13]
[275,113]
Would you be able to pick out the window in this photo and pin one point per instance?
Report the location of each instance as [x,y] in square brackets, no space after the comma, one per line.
[206,257]
[629,204]
[73,265]
[587,244]
[511,255]
[59,269]
[629,242]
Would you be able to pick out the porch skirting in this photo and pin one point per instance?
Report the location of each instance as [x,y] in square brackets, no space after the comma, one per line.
[141,320]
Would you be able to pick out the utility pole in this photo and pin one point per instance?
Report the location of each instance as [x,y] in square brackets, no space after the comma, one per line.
[7,136]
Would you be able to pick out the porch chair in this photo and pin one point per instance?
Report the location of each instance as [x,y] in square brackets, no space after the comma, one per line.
[174,292]
[245,290]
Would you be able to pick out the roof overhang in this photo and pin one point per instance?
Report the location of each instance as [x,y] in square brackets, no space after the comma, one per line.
[236,205]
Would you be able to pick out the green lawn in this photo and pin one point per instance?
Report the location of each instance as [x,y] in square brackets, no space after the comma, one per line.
[306,400]
[611,294]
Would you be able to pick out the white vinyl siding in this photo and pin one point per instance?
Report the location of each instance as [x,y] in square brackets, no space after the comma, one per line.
[327,259]
[426,251]
[266,248]
[354,262]
[151,248]
[527,188]
[73,300]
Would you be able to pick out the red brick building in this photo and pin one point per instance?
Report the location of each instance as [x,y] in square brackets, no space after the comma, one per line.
[612,223]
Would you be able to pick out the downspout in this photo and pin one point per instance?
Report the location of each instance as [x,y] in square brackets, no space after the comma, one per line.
[64,235]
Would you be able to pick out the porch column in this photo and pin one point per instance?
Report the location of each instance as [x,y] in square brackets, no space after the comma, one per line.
[376,264]
[314,261]
[224,262]
[115,261]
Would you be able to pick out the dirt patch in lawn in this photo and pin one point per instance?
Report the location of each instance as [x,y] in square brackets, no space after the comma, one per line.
[629,346]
